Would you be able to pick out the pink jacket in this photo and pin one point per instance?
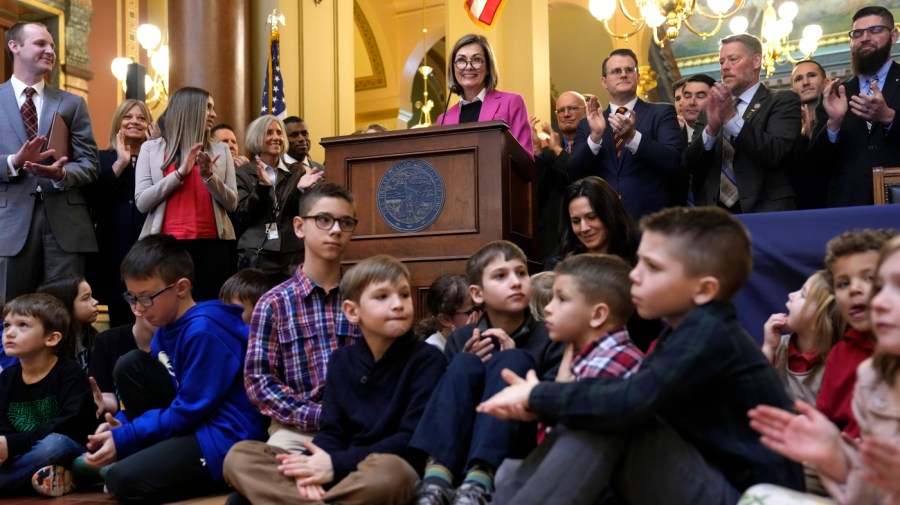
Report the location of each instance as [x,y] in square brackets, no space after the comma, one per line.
[501,105]
[876,407]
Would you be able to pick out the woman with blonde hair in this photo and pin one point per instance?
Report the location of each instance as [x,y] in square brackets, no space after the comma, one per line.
[472,74]
[186,184]
[268,200]
[117,220]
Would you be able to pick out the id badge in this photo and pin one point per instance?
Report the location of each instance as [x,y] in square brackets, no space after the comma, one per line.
[272,231]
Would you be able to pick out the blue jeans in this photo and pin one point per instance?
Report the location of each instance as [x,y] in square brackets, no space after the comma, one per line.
[54,449]
[450,430]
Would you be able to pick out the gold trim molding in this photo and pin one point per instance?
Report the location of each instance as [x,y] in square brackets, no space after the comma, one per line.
[377,79]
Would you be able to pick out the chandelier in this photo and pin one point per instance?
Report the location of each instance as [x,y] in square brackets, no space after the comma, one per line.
[665,17]
[776,27]
[156,87]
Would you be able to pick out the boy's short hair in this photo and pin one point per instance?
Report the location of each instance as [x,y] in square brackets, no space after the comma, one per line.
[247,285]
[854,242]
[324,190]
[158,255]
[482,257]
[708,241]
[601,278]
[371,270]
[46,308]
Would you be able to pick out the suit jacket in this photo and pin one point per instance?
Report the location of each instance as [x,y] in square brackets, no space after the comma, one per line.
[848,163]
[66,209]
[761,155]
[509,107]
[255,206]
[647,179]
[152,189]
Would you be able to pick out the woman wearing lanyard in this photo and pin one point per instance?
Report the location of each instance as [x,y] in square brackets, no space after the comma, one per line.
[268,196]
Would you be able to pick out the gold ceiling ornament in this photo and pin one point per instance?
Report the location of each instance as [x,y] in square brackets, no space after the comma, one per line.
[665,17]
[776,27]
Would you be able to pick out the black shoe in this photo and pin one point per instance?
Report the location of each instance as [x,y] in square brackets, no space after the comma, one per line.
[432,494]
[471,494]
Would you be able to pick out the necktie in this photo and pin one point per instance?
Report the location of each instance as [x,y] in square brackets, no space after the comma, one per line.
[873,81]
[569,147]
[619,140]
[728,190]
[29,114]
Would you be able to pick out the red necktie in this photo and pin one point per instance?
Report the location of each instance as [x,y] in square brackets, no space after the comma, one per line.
[29,114]
[619,140]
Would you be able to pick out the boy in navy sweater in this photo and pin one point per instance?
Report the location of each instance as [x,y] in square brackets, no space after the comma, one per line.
[375,392]
[676,431]
[171,447]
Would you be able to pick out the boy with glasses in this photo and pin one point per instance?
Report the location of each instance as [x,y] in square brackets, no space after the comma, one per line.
[298,324]
[169,444]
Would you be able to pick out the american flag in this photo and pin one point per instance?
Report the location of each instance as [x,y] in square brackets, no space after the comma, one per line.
[273,103]
[484,12]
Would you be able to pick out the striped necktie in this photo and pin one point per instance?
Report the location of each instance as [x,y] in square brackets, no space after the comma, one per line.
[29,113]
[873,81]
[619,140]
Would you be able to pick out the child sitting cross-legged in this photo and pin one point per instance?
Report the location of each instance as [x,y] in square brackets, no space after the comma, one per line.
[46,407]
[375,392]
[464,448]
[169,444]
[676,431]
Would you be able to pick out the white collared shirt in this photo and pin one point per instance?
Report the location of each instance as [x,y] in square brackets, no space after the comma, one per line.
[38,98]
[635,141]
[478,98]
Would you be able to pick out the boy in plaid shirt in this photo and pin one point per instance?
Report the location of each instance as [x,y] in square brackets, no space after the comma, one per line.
[590,306]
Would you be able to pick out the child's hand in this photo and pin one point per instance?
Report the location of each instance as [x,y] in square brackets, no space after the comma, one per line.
[565,365]
[111,422]
[512,401]
[105,452]
[772,331]
[316,493]
[808,436]
[505,341]
[882,461]
[4,450]
[315,469]
[98,397]
[473,317]
[479,346]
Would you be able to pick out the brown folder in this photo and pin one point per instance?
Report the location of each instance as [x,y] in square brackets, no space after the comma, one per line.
[59,138]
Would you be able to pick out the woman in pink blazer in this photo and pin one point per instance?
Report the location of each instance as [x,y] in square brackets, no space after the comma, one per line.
[472,74]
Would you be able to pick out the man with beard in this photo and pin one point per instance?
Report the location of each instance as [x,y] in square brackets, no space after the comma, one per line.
[855,128]
[298,144]
[551,167]
[741,158]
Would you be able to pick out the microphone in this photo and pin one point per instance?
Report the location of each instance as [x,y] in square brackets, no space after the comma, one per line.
[453,89]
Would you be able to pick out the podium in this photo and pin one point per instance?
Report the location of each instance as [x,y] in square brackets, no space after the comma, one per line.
[433,196]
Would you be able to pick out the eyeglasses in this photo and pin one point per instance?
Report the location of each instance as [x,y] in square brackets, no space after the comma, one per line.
[326,221]
[145,300]
[467,312]
[571,109]
[872,30]
[462,63]
[623,70]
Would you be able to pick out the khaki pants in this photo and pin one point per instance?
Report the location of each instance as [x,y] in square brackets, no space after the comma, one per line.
[288,437]
[380,479]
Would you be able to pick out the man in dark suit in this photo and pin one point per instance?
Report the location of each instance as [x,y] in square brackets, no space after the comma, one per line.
[855,121]
[44,223]
[298,144]
[740,160]
[634,145]
[808,80]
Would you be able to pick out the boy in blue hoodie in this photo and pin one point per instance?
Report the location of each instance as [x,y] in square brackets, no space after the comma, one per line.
[170,446]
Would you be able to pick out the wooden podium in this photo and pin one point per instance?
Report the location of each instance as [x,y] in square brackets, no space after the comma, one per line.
[488,194]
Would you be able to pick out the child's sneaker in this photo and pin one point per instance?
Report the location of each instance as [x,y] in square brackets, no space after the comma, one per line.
[471,494]
[432,494]
[53,481]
